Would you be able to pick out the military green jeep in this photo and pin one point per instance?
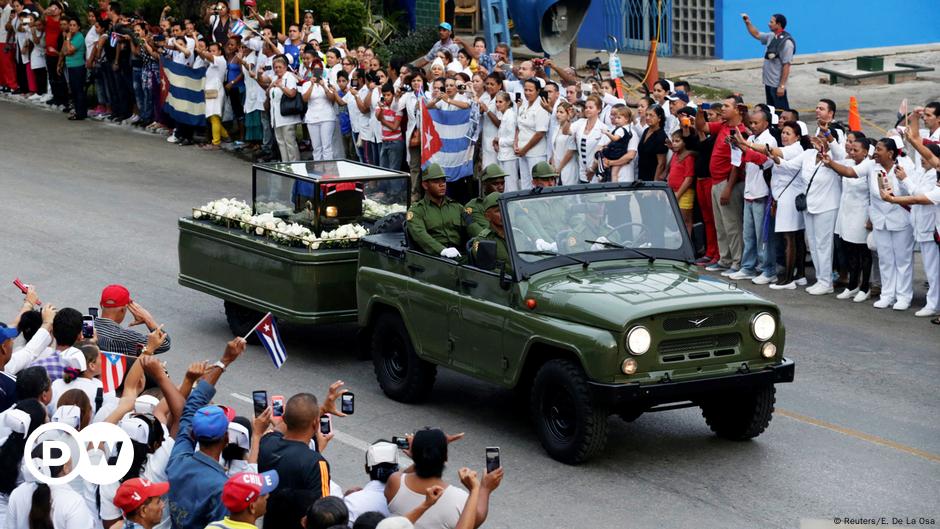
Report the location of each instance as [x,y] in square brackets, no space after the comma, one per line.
[598,312]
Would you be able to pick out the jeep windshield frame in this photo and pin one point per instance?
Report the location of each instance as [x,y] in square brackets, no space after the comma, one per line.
[675,246]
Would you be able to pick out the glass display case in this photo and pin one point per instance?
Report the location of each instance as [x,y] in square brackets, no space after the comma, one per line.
[324,195]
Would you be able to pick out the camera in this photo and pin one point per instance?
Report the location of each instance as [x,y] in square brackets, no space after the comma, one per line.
[543,93]
[401,442]
[538,63]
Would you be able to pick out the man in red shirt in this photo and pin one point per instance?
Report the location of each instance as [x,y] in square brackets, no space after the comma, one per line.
[727,185]
[60,91]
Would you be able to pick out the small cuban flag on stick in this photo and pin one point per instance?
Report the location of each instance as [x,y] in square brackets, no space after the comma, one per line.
[238,28]
[271,339]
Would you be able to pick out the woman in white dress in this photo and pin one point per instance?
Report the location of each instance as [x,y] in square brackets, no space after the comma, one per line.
[851,224]
[891,224]
[563,149]
[532,123]
[216,69]
[320,117]
[588,134]
[505,138]
[490,117]
[284,84]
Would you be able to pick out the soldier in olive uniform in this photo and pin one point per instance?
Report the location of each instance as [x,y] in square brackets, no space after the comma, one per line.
[540,222]
[493,178]
[495,231]
[438,224]
[590,225]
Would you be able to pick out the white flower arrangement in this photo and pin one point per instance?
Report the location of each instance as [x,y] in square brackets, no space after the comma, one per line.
[376,210]
[273,207]
[229,211]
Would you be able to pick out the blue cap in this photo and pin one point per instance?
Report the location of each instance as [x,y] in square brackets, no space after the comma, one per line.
[210,423]
[7,333]
[445,25]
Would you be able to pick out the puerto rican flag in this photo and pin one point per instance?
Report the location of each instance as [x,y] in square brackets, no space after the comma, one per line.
[113,369]
[271,340]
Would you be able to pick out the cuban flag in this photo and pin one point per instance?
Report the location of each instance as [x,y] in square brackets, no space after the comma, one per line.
[238,28]
[271,340]
[113,369]
[185,96]
[447,140]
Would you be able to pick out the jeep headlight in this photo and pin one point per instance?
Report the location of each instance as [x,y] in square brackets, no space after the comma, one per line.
[638,340]
[763,326]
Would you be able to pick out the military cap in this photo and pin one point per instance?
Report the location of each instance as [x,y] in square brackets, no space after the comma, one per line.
[492,171]
[433,172]
[491,200]
[543,170]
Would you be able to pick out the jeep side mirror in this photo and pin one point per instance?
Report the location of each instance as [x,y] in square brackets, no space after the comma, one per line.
[485,255]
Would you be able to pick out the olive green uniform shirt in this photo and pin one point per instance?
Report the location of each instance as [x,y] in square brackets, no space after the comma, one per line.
[502,249]
[539,221]
[435,227]
[475,209]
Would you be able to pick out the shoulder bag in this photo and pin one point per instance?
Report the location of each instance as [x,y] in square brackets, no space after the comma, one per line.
[293,106]
[800,200]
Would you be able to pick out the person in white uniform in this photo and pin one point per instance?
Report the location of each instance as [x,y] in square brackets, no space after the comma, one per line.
[490,117]
[563,148]
[505,139]
[891,223]
[852,221]
[924,220]
[531,144]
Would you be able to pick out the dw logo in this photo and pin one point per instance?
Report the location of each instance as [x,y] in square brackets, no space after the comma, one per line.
[103,435]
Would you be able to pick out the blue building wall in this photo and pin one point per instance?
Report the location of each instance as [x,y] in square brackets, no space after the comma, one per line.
[817,26]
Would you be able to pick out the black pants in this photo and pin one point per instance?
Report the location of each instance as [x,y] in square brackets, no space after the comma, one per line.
[22,81]
[76,78]
[60,90]
[39,74]
[858,257]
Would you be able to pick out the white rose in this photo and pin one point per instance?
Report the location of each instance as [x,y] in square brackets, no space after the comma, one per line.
[259,231]
[197,214]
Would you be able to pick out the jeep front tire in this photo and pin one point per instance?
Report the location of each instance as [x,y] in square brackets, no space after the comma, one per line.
[402,375]
[740,416]
[571,428]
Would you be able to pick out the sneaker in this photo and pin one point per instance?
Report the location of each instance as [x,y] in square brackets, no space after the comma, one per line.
[715,267]
[883,303]
[742,274]
[729,272]
[45,98]
[861,296]
[812,287]
[784,286]
[819,290]
[902,305]
[764,280]
[926,312]
[801,282]
[846,294]
[34,97]
[172,139]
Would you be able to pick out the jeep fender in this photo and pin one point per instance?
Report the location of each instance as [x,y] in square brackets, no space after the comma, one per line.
[595,350]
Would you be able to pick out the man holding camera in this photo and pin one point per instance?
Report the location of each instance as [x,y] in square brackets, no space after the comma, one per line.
[780,50]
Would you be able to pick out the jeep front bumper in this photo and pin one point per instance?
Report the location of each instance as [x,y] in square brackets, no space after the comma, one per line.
[647,395]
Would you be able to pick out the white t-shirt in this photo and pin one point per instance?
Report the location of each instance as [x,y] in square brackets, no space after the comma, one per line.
[531,119]
[37,57]
[375,128]
[319,107]
[370,498]
[91,37]
[5,14]
[89,385]
[754,184]
[69,510]
[506,135]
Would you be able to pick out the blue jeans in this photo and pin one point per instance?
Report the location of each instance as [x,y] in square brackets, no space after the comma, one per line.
[143,94]
[392,153]
[759,252]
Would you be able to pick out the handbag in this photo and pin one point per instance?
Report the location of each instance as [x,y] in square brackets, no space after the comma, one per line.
[293,106]
[800,200]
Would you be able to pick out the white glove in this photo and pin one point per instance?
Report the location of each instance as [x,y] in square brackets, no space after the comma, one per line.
[450,253]
[597,245]
[543,246]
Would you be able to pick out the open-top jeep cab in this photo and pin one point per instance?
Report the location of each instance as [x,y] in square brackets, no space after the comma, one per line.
[598,312]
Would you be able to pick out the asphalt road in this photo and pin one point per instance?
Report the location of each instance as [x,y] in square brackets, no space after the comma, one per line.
[85,204]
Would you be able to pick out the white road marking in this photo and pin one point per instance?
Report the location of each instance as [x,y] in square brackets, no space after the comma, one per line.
[342,437]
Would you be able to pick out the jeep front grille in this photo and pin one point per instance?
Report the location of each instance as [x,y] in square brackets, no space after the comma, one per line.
[699,348]
[688,322]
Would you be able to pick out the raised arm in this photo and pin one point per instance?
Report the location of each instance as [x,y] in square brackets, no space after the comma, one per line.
[750,27]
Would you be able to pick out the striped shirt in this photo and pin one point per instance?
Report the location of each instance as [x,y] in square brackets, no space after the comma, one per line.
[389,115]
[53,364]
[116,339]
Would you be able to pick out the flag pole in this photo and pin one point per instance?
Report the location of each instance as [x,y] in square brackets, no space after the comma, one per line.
[256,326]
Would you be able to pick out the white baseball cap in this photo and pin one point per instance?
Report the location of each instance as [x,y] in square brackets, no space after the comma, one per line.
[395,522]
[74,358]
[68,414]
[381,452]
[17,420]
[238,434]
[804,131]
[145,404]
[136,428]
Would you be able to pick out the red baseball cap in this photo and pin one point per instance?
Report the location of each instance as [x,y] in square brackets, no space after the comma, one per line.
[250,3]
[134,492]
[242,489]
[114,296]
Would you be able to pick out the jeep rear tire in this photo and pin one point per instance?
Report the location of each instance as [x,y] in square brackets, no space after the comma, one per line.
[401,374]
[740,416]
[571,428]
[241,320]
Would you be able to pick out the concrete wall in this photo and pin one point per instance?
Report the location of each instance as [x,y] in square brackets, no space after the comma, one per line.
[851,24]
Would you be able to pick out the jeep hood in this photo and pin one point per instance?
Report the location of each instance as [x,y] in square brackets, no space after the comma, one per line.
[611,296]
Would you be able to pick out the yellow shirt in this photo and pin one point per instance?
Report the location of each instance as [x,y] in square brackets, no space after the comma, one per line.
[228,523]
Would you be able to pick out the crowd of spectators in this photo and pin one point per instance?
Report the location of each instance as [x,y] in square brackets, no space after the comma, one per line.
[196,464]
[767,185]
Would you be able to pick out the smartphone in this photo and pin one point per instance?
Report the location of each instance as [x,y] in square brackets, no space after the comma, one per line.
[401,441]
[260,401]
[518,98]
[492,458]
[277,406]
[19,284]
[318,73]
[326,424]
[348,403]
[88,326]
[93,312]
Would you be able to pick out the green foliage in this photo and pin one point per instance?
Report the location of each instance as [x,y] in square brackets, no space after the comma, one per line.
[382,28]
[409,47]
